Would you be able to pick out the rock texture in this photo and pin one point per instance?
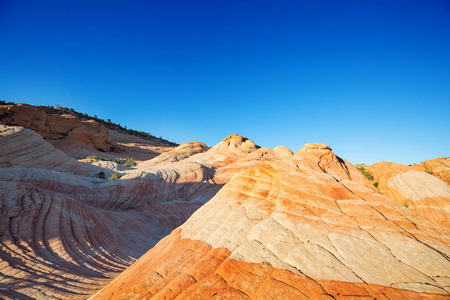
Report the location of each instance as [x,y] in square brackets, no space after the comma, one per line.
[438,167]
[65,232]
[79,138]
[294,227]
[419,191]
[56,127]
[249,222]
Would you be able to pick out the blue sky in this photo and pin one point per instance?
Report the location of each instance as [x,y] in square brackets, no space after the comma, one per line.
[369,78]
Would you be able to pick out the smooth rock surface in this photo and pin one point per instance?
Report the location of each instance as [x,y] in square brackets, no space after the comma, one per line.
[305,227]
[65,233]
[419,191]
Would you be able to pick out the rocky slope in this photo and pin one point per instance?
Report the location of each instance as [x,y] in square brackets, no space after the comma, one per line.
[293,227]
[244,221]
[65,232]
[419,191]
[77,137]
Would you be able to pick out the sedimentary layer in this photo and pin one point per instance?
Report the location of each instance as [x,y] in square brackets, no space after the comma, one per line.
[308,226]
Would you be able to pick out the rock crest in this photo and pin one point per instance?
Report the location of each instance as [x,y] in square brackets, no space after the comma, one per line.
[249,222]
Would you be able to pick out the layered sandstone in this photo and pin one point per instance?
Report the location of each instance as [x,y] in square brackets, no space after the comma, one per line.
[79,138]
[419,191]
[65,232]
[303,227]
[275,224]
[438,167]
[57,127]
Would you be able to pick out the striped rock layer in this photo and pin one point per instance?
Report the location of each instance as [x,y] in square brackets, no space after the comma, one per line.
[302,226]
[65,232]
[421,192]
[275,225]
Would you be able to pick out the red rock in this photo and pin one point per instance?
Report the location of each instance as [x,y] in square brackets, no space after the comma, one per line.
[283,225]
[419,191]
[298,228]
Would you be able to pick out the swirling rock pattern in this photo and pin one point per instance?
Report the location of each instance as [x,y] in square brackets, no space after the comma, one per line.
[303,227]
[261,223]
[89,134]
[79,138]
[65,232]
[419,191]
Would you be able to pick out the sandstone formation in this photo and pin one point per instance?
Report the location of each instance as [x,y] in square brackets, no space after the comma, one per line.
[232,221]
[65,232]
[79,138]
[24,148]
[438,167]
[179,153]
[419,191]
[57,127]
[304,227]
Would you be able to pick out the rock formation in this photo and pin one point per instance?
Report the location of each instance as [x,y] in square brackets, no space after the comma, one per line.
[304,227]
[79,138]
[65,232]
[419,191]
[438,167]
[56,127]
[232,221]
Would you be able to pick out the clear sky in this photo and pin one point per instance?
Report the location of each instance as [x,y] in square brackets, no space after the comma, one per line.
[369,78]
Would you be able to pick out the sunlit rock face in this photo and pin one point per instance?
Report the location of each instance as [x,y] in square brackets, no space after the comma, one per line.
[65,232]
[438,167]
[235,220]
[419,191]
[87,134]
[79,138]
[295,227]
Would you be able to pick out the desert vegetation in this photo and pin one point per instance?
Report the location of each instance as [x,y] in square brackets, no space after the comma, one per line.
[366,173]
[114,176]
[130,162]
[60,110]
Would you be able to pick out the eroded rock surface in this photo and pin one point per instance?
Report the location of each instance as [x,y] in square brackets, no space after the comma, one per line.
[419,191]
[275,224]
[79,138]
[297,228]
[57,127]
[65,232]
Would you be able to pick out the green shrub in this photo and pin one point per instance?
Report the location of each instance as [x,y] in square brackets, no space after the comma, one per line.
[101,175]
[129,162]
[406,205]
[375,184]
[99,158]
[428,171]
[365,173]
[114,176]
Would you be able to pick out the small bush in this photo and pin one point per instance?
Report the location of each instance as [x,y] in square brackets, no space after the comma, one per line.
[95,157]
[375,184]
[428,171]
[114,176]
[365,173]
[101,175]
[406,205]
[129,162]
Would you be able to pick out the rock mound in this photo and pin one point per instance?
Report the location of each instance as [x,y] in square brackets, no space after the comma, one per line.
[283,151]
[22,147]
[290,229]
[57,127]
[234,141]
[179,153]
[419,191]
[64,236]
